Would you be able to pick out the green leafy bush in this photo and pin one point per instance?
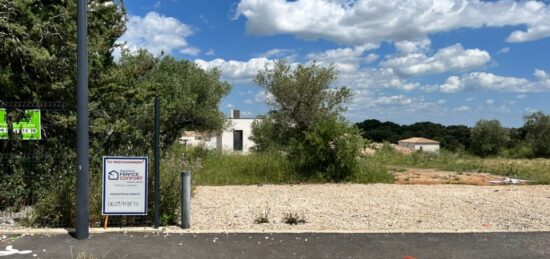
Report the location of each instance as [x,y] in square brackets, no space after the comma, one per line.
[537,126]
[329,151]
[488,138]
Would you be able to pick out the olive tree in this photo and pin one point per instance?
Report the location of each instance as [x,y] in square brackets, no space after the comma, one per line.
[537,126]
[305,120]
[488,138]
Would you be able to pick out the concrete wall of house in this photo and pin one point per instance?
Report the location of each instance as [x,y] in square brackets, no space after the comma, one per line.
[407,145]
[423,147]
[427,147]
[224,141]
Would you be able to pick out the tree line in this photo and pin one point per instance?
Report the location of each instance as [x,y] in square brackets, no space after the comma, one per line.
[38,64]
[486,138]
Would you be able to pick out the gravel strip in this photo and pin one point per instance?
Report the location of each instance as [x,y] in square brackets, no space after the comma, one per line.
[374,207]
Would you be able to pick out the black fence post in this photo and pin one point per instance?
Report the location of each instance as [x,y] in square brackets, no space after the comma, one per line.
[157,160]
[82,178]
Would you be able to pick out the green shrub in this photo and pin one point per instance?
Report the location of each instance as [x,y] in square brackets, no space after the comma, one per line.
[294,219]
[488,138]
[330,151]
[219,168]
[537,126]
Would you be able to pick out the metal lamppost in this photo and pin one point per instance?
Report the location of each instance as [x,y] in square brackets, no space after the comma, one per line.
[82,177]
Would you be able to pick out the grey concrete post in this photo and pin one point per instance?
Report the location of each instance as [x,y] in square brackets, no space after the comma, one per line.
[186,199]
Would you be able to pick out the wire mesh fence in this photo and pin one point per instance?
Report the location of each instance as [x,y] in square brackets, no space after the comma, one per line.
[38,176]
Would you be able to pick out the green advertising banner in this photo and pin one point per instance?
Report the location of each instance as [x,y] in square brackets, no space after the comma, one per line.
[29,126]
[3,125]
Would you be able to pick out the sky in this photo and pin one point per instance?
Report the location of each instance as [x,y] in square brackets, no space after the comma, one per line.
[446,61]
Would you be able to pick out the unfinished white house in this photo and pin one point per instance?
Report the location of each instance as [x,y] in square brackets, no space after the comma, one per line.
[234,138]
[422,144]
[194,139]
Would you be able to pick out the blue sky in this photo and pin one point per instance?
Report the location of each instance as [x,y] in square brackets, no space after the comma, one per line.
[446,61]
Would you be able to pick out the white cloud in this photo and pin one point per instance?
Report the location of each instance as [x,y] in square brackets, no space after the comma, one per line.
[277,53]
[504,50]
[490,101]
[157,33]
[230,106]
[373,21]
[462,108]
[521,96]
[247,114]
[441,101]
[453,84]
[452,58]
[407,46]
[190,51]
[371,58]
[210,52]
[470,99]
[344,59]
[481,80]
[399,105]
[264,97]
[392,100]
[248,101]
[529,110]
[500,109]
[541,74]
[236,70]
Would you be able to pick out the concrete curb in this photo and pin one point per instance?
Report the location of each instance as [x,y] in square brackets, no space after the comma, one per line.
[177,230]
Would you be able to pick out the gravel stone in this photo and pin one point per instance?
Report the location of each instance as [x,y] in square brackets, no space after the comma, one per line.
[373,207]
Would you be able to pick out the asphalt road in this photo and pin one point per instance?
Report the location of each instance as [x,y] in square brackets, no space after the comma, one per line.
[283,245]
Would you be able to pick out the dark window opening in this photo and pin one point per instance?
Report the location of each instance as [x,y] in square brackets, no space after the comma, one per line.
[238,140]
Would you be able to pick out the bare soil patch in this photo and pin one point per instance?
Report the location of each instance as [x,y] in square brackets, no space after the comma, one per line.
[434,176]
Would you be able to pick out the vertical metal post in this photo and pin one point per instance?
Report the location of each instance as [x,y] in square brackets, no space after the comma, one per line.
[186,199]
[157,166]
[82,178]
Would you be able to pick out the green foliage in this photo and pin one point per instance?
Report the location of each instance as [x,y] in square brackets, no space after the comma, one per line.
[294,219]
[123,110]
[537,170]
[262,217]
[211,167]
[328,151]
[488,138]
[266,135]
[304,121]
[218,168]
[37,64]
[537,126]
[454,137]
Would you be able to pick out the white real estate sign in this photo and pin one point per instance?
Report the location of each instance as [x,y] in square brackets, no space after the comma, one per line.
[124,185]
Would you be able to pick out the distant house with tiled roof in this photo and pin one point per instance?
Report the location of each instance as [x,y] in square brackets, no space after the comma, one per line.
[422,144]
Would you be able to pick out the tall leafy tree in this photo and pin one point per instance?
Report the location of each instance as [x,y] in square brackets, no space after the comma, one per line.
[305,120]
[190,99]
[488,138]
[537,126]
[38,64]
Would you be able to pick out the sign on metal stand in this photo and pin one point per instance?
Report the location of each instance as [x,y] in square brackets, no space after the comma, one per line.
[124,186]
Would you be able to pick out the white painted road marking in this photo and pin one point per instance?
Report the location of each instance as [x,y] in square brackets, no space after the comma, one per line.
[11,251]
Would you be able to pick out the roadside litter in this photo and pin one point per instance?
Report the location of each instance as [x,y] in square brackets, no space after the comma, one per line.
[508,180]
